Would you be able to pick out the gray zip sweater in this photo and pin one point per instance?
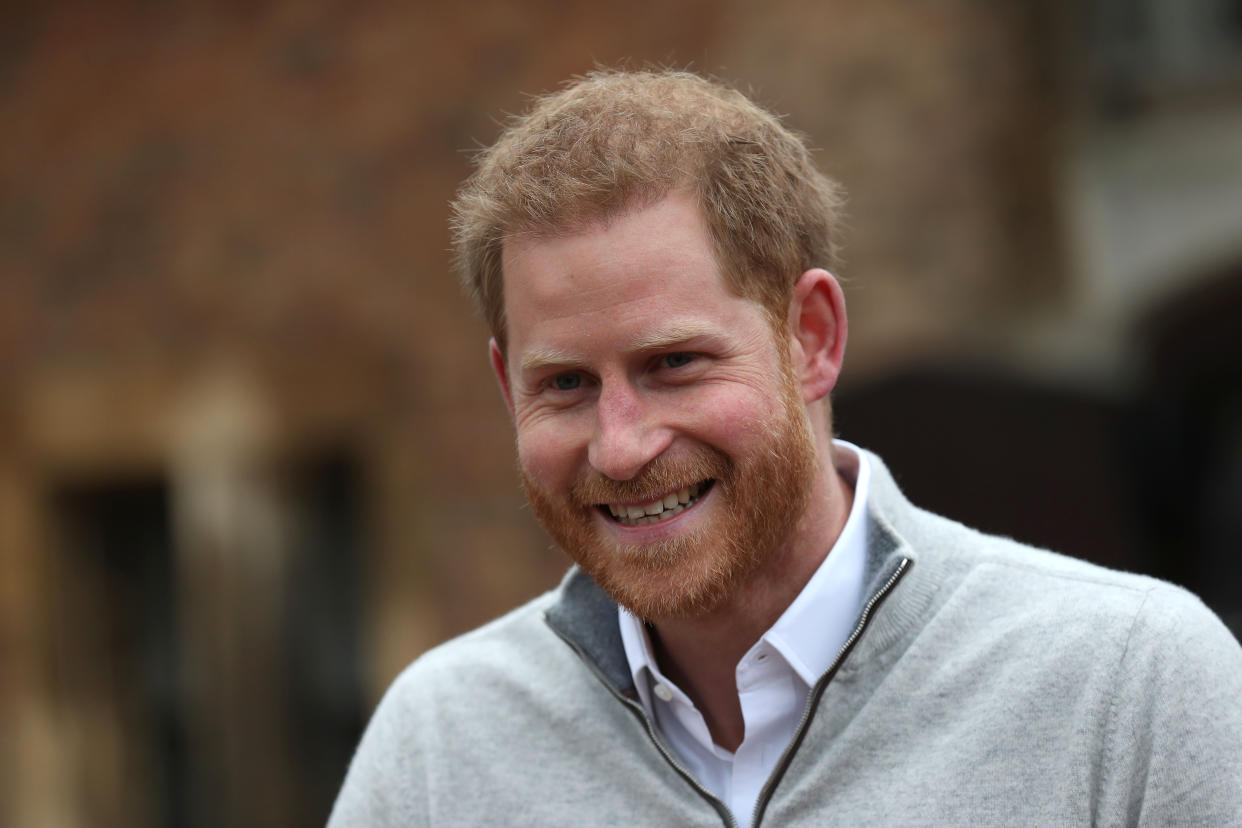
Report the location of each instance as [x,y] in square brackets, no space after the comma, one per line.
[986,683]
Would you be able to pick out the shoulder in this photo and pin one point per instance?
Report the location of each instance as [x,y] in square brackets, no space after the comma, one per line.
[1068,598]
[998,586]
[517,649]
[1038,582]
[497,643]
[452,711]
[953,559]
[506,675]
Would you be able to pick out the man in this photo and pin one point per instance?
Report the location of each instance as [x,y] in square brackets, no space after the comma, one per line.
[759,628]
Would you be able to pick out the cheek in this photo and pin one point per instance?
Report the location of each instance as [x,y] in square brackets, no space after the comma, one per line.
[736,416]
[546,456]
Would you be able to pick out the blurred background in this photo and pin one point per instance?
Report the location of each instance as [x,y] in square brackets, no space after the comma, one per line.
[252,460]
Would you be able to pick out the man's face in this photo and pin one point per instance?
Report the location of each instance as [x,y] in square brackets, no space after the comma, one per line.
[662,437]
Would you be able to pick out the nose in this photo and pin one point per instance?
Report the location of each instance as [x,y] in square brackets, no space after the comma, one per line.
[627,434]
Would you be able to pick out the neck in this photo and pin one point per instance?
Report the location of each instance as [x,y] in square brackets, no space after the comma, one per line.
[701,653]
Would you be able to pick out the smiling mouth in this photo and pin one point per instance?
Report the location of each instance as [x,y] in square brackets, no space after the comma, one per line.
[658,510]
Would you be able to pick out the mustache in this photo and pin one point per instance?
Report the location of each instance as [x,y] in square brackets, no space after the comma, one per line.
[659,477]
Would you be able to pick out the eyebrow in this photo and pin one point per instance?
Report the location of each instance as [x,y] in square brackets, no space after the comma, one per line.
[674,335]
[540,358]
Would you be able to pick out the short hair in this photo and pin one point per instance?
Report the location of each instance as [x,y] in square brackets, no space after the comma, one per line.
[618,140]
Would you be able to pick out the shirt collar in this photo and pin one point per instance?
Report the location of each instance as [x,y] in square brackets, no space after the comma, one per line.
[813,628]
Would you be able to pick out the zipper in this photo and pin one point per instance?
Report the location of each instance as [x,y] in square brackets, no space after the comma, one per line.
[817,691]
[807,714]
[637,709]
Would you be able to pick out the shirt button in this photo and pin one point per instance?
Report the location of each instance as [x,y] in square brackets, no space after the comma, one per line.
[663,692]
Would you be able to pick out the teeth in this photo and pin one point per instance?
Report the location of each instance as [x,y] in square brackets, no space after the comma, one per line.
[656,510]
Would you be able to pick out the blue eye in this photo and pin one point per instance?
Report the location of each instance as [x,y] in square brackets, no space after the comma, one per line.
[678,360]
[567,382]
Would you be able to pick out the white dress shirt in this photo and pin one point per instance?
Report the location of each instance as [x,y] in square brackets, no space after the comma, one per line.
[775,676]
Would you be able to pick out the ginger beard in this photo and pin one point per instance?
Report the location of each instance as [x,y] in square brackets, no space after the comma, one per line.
[761,497]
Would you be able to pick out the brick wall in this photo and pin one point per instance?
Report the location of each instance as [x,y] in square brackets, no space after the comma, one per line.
[258,191]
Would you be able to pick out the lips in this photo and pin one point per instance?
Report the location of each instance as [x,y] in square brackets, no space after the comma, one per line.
[659,509]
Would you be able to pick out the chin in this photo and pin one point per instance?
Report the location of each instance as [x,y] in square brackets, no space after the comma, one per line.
[677,578]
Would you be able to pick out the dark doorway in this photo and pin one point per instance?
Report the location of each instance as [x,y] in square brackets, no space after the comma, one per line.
[116,659]
[1187,426]
[1043,464]
[118,664]
[324,661]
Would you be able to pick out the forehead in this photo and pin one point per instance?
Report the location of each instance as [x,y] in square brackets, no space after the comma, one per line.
[669,233]
[653,265]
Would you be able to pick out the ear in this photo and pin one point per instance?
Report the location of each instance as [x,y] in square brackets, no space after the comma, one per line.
[501,370]
[817,331]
